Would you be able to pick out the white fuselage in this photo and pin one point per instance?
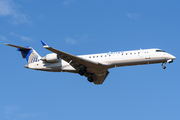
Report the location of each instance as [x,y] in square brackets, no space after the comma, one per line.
[110,60]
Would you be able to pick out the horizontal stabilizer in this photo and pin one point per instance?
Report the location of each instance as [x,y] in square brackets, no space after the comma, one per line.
[20,47]
[27,52]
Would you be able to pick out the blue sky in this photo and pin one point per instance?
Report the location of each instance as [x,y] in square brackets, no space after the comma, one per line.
[85,27]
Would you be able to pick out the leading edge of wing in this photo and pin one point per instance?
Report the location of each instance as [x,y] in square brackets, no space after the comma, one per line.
[85,62]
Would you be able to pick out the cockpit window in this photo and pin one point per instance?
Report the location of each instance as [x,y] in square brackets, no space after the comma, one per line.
[160,51]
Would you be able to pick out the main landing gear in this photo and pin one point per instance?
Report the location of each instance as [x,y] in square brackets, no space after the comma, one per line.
[84,72]
[90,79]
[81,72]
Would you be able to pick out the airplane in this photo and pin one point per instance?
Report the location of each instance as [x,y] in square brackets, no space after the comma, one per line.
[93,66]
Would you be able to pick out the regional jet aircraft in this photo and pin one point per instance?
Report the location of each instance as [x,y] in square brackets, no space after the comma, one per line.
[93,66]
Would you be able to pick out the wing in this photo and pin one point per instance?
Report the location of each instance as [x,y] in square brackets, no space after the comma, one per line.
[99,78]
[98,70]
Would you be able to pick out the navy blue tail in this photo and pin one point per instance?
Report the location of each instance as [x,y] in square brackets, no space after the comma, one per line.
[30,54]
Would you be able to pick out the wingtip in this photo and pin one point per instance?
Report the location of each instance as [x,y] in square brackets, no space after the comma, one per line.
[43,43]
[6,44]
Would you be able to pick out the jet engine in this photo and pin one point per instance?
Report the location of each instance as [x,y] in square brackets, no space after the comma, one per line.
[51,58]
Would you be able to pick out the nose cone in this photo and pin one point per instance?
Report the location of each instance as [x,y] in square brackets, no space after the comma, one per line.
[173,57]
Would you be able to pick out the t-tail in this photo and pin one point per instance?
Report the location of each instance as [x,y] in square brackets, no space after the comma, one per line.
[27,52]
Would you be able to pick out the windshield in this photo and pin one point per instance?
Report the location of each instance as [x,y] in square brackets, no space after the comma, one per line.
[160,51]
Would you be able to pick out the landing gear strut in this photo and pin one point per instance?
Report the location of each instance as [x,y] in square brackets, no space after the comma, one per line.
[164,65]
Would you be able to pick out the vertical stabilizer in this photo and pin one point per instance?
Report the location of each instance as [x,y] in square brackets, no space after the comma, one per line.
[27,52]
[30,54]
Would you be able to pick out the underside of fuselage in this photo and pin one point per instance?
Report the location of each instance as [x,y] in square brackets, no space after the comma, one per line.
[142,61]
[107,64]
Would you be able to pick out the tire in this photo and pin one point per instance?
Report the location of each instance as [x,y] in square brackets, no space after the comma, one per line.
[90,79]
[81,72]
[164,67]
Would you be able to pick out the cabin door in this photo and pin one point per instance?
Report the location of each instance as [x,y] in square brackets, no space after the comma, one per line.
[146,54]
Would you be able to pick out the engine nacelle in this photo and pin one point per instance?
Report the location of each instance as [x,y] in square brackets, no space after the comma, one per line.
[51,58]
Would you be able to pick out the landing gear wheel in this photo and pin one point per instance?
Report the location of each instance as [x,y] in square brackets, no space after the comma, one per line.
[81,72]
[90,79]
[164,67]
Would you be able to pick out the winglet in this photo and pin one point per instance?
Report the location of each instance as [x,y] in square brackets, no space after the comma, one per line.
[44,44]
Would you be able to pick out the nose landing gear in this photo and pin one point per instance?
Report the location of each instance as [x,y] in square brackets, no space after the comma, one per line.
[164,65]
